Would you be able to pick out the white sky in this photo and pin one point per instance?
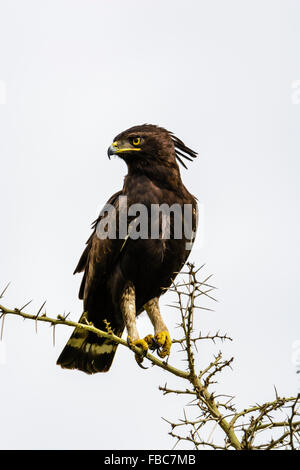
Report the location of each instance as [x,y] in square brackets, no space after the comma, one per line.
[73,74]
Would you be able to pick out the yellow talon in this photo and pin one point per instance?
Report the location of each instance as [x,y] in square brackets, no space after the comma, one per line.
[150,341]
[164,341]
[140,343]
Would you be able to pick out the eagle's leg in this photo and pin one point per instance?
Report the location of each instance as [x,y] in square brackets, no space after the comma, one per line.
[162,339]
[128,309]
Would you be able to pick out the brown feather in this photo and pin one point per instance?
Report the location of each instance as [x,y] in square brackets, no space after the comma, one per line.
[149,264]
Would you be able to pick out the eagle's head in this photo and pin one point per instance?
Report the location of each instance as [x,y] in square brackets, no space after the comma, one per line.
[148,145]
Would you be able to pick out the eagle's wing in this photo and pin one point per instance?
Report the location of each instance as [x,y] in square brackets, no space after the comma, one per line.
[99,255]
[85,350]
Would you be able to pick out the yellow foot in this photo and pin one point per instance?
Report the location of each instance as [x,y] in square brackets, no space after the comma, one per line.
[150,340]
[140,343]
[164,342]
[143,346]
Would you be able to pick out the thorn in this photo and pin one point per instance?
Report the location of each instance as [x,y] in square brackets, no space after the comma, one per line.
[4,290]
[53,336]
[41,308]
[24,306]
[2,327]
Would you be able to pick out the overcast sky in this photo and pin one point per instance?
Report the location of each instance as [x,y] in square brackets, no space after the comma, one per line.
[222,75]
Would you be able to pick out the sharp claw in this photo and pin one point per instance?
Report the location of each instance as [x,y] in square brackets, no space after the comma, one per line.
[150,340]
[164,343]
[139,362]
[140,357]
[162,353]
[143,348]
[160,342]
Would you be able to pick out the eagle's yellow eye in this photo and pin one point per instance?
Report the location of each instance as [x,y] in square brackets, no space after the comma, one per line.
[136,141]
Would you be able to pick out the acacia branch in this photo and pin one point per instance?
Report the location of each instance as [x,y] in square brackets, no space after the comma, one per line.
[240,428]
[60,320]
[237,435]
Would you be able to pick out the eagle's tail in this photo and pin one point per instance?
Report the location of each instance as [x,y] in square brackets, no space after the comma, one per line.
[88,352]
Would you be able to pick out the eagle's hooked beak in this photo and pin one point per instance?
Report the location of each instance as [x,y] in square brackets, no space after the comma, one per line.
[115,149]
[112,149]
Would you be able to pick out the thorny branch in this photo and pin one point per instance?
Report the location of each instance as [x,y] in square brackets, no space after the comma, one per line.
[267,426]
[252,428]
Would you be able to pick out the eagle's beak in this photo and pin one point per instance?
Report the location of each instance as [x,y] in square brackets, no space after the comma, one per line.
[115,149]
[112,149]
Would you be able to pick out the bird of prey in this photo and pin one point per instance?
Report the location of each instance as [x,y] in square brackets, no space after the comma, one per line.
[125,275]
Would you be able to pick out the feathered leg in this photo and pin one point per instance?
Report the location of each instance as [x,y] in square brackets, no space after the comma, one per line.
[128,309]
[162,337]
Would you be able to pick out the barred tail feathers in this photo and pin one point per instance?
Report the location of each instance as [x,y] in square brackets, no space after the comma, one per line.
[88,352]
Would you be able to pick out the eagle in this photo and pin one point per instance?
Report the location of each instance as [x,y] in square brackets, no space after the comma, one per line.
[124,275]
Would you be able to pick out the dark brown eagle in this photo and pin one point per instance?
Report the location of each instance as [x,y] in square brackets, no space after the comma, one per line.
[125,275]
